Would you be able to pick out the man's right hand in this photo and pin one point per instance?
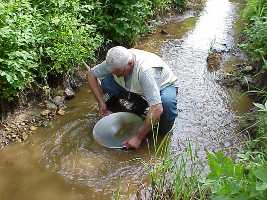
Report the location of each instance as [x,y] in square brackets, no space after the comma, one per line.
[103,109]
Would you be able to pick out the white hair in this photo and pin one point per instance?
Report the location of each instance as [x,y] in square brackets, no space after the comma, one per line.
[118,57]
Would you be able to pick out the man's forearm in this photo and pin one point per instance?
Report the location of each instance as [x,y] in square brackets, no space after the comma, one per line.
[95,87]
[152,118]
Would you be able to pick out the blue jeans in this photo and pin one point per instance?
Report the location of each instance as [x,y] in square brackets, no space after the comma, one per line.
[168,98]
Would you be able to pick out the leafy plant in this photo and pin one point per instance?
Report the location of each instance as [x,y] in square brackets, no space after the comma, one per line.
[41,37]
[255,44]
[229,180]
[261,107]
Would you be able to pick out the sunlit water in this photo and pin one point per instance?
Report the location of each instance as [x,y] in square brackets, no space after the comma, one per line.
[63,161]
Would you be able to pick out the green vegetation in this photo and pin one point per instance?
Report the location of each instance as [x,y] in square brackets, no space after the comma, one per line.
[38,38]
[176,177]
[255,44]
[179,177]
[51,37]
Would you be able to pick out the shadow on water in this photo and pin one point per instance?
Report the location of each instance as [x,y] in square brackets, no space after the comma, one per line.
[63,161]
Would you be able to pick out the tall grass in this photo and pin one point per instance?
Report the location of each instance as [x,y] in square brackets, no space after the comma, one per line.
[176,176]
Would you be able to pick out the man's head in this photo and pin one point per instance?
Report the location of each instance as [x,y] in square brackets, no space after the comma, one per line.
[119,60]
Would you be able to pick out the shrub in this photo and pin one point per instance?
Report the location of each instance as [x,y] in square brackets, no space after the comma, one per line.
[256,33]
[41,37]
[18,55]
[229,180]
[125,20]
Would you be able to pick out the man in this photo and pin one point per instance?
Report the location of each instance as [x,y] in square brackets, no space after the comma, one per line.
[142,73]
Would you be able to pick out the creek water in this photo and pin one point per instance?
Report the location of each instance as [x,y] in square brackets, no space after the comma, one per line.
[62,161]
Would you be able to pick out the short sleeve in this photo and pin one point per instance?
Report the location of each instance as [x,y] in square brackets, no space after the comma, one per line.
[150,87]
[100,71]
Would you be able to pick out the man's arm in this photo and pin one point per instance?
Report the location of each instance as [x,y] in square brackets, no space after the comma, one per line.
[152,118]
[97,91]
[152,95]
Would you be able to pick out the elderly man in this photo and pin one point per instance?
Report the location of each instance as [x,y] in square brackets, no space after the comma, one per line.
[142,73]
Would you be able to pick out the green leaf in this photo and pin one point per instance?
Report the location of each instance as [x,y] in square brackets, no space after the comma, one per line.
[260,106]
[261,173]
[261,186]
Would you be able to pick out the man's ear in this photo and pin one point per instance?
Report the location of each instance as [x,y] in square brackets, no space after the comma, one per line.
[131,62]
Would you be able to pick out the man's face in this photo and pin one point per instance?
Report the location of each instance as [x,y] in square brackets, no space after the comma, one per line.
[119,72]
[124,71]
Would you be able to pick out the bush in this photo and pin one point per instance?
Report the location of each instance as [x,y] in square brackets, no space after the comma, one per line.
[256,33]
[37,39]
[42,37]
[18,55]
[229,180]
[125,20]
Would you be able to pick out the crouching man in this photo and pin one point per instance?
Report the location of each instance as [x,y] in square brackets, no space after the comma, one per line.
[140,72]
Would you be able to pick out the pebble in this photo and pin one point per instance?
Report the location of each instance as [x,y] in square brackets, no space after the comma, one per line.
[227,144]
[61,112]
[248,68]
[24,136]
[33,128]
[45,112]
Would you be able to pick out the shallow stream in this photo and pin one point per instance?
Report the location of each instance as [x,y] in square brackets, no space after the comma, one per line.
[62,161]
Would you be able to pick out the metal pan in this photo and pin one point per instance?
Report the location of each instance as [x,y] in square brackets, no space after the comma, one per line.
[112,130]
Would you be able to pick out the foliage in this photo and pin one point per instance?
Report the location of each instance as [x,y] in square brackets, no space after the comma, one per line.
[36,40]
[176,178]
[255,45]
[229,180]
[125,20]
[18,57]
[254,8]
[42,37]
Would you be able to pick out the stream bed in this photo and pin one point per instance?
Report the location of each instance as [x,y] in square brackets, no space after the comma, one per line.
[62,161]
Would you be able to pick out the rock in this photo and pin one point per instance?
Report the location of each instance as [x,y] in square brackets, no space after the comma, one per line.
[45,112]
[61,112]
[69,93]
[24,136]
[33,128]
[214,61]
[227,144]
[248,68]
[51,106]
[59,101]
[163,32]
[73,83]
